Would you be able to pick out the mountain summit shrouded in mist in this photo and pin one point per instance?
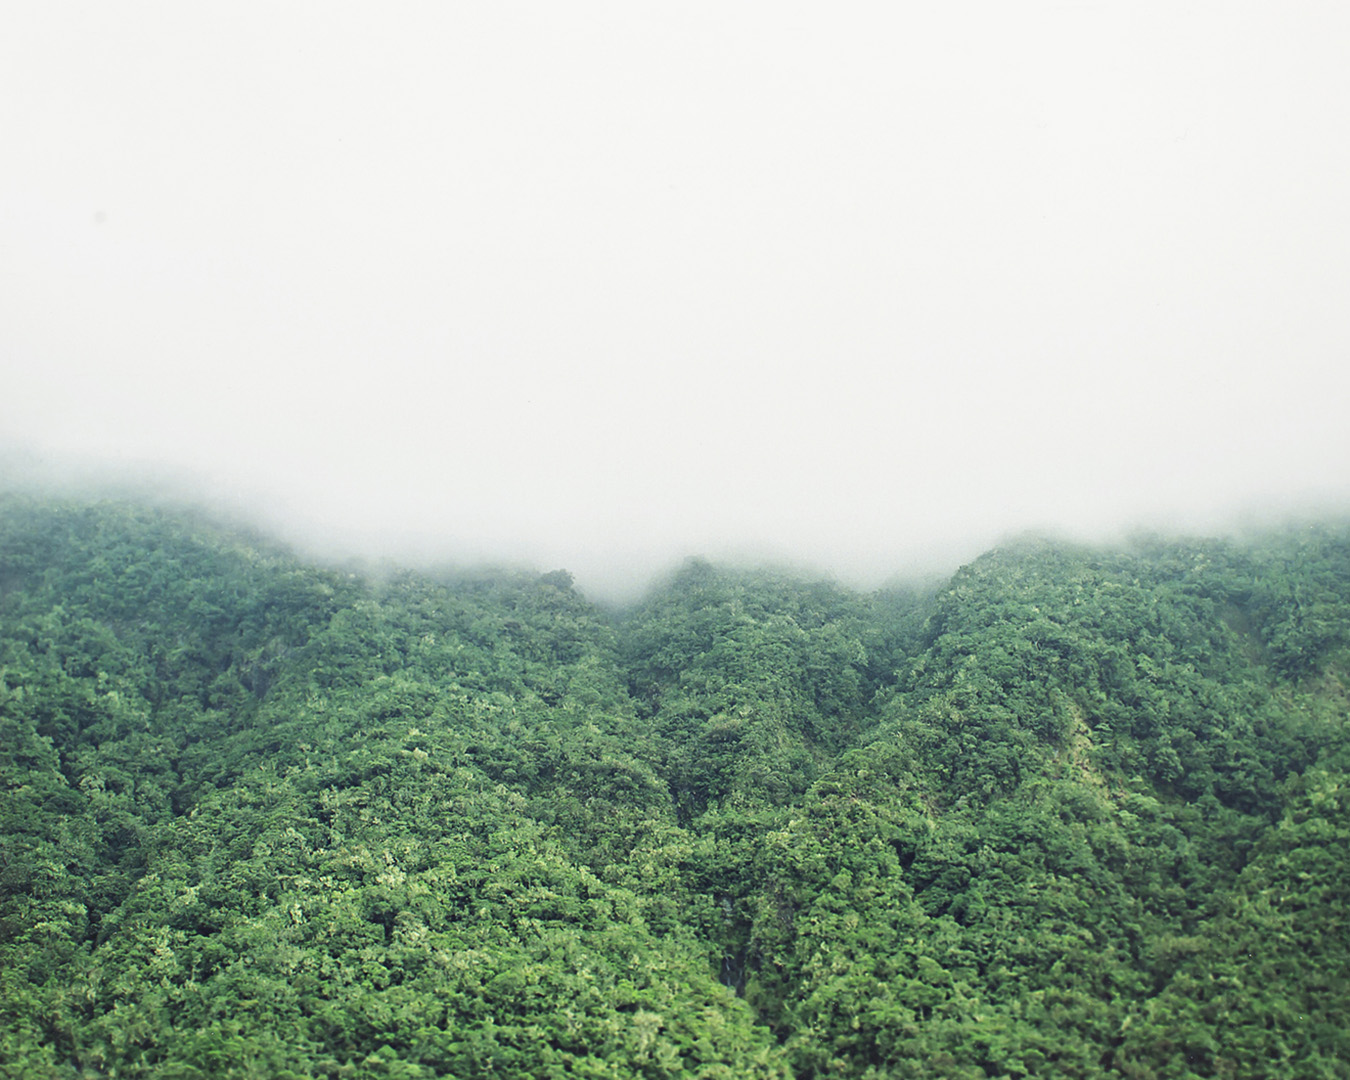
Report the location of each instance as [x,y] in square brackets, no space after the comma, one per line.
[448,297]
[600,286]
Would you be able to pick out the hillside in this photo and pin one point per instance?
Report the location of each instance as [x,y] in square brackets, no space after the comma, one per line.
[1077,812]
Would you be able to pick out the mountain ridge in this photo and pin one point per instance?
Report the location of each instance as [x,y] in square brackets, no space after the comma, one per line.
[266,817]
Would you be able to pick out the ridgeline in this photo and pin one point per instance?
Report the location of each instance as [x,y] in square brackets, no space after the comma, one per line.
[1076,812]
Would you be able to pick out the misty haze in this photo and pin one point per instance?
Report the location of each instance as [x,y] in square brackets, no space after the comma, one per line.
[598,288]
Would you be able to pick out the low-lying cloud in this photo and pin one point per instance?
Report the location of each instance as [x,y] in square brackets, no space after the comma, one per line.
[601,289]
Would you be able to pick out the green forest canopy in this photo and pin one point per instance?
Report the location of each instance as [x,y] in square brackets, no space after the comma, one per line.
[1076,812]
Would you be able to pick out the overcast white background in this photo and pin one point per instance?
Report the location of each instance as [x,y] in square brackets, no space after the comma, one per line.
[601,285]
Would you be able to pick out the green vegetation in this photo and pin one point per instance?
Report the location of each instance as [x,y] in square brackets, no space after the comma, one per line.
[1075,813]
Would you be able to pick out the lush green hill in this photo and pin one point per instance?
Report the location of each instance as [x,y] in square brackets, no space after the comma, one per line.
[1075,813]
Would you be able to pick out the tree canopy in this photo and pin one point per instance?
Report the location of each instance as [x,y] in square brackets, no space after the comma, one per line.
[1075,812]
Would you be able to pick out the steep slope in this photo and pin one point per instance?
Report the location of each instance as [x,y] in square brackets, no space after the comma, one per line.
[1058,794]
[1075,813]
[750,681]
[262,819]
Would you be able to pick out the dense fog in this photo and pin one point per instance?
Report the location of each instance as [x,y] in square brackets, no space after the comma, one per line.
[602,286]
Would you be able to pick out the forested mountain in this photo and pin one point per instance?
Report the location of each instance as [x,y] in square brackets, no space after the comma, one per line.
[1074,813]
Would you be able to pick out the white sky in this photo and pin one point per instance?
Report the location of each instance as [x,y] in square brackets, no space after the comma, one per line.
[601,285]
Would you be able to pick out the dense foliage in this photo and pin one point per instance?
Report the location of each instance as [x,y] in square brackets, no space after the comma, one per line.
[1074,813]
